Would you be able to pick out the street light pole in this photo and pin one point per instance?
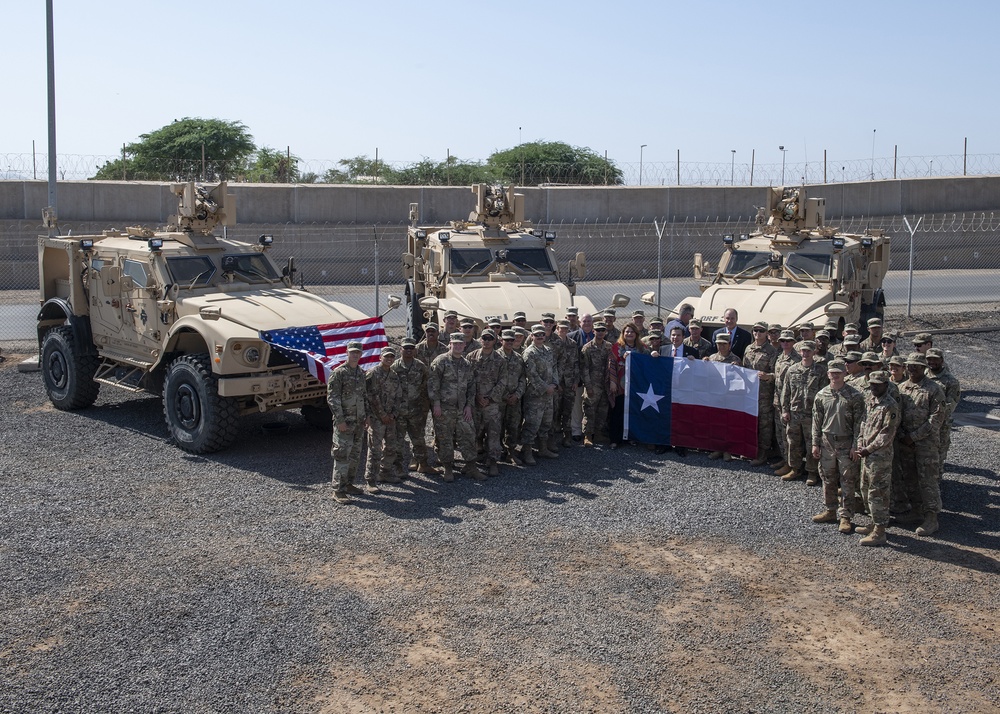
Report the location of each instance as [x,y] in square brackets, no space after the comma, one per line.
[640,163]
[732,170]
[783,151]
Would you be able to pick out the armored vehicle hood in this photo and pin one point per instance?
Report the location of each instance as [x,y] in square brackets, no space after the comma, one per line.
[785,306]
[504,299]
[271,309]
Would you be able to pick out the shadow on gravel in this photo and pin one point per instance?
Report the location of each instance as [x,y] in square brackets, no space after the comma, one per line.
[943,549]
[143,416]
[973,400]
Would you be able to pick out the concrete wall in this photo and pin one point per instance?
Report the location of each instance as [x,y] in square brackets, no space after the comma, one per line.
[119,203]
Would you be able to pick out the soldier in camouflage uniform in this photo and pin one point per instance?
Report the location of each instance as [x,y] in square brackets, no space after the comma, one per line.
[469,336]
[555,346]
[348,401]
[451,387]
[430,347]
[514,385]
[521,339]
[782,362]
[939,373]
[855,370]
[801,384]
[695,339]
[413,408]
[875,447]
[726,356]
[922,406]
[761,356]
[838,412]
[568,366]
[542,381]
[384,397]
[609,322]
[488,368]
[594,374]
[873,343]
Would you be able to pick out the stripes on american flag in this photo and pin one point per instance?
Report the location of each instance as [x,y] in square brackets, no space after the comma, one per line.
[321,348]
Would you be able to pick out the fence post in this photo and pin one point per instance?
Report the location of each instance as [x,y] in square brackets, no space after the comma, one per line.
[909,283]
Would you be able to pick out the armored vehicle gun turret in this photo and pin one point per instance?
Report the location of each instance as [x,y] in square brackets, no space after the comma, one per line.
[793,269]
[178,312]
[489,266]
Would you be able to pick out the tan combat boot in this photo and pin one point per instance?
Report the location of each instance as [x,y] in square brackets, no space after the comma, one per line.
[827,516]
[526,456]
[449,473]
[759,461]
[783,470]
[792,475]
[425,468]
[812,479]
[588,441]
[473,472]
[929,526]
[875,538]
[493,470]
[845,526]
[341,497]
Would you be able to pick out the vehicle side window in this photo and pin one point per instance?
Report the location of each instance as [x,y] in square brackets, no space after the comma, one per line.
[848,275]
[137,271]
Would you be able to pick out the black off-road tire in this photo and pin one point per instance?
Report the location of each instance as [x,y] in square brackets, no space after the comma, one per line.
[318,417]
[68,374]
[199,420]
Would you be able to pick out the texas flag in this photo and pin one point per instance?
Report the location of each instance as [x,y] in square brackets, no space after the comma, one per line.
[320,348]
[692,403]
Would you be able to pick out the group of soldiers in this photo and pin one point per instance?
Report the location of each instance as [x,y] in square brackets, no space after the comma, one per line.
[872,426]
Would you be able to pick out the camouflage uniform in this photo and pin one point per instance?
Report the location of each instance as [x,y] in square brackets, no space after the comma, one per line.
[451,386]
[762,359]
[781,365]
[490,382]
[470,347]
[613,334]
[703,346]
[540,372]
[731,358]
[952,396]
[594,373]
[798,392]
[836,422]
[413,407]
[384,398]
[922,407]
[514,383]
[426,354]
[877,435]
[348,400]
[568,365]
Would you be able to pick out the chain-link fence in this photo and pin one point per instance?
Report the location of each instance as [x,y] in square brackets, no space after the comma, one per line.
[738,172]
[953,258]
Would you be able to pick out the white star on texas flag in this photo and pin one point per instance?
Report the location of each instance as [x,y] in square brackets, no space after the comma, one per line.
[650,399]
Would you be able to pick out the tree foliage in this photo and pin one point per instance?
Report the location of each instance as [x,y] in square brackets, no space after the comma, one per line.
[174,152]
[553,162]
[273,166]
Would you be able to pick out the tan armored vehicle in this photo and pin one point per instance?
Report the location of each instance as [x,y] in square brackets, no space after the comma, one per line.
[490,266]
[177,312]
[794,269]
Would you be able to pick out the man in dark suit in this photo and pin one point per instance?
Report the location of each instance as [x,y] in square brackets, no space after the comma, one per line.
[676,346]
[739,339]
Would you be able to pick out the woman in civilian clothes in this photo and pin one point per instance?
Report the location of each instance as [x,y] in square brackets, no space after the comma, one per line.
[627,342]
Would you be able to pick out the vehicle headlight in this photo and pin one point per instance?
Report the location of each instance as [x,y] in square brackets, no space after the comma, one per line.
[251,355]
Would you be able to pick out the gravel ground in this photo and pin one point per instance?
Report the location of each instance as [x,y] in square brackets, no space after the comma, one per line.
[140,578]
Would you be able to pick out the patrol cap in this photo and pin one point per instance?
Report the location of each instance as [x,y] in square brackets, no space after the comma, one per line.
[831,325]
[853,356]
[916,358]
[774,327]
[870,358]
[457,337]
[874,322]
[572,310]
[922,337]
[807,326]
[355,346]
[836,366]
[935,352]
[488,334]
[852,340]
[495,322]
[897,360]
[450,313]
[655,321]
[638,313]
[508,334]
[851,327]
[549,316]
[523,331]
[610,312]
[563,323]
[431,327]
[655,333]
[787,336]
[722,337]
[388,350]
[694,323]
[408,342]
[468,322]
[761,324]
[520,315]
[538,330]
[878,377]
[823,335]
[807,345]
[599,325]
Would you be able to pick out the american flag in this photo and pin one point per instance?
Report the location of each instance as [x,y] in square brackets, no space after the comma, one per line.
[320,348]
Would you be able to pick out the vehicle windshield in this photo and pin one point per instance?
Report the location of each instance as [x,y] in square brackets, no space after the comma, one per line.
[463,259]
[537,258]
[816,265]
[191,270]
[746,261]
[252,267]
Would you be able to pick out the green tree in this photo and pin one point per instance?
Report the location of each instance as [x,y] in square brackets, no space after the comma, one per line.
[273,166]
[359,169]
[174,152]
[553,162]
[450,172]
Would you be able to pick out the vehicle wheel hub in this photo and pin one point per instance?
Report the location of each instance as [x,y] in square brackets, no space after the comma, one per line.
[188,406]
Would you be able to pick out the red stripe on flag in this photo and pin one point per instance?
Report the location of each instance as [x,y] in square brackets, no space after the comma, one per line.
[699,427]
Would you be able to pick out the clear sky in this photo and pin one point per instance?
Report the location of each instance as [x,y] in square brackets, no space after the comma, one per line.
[337,79]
